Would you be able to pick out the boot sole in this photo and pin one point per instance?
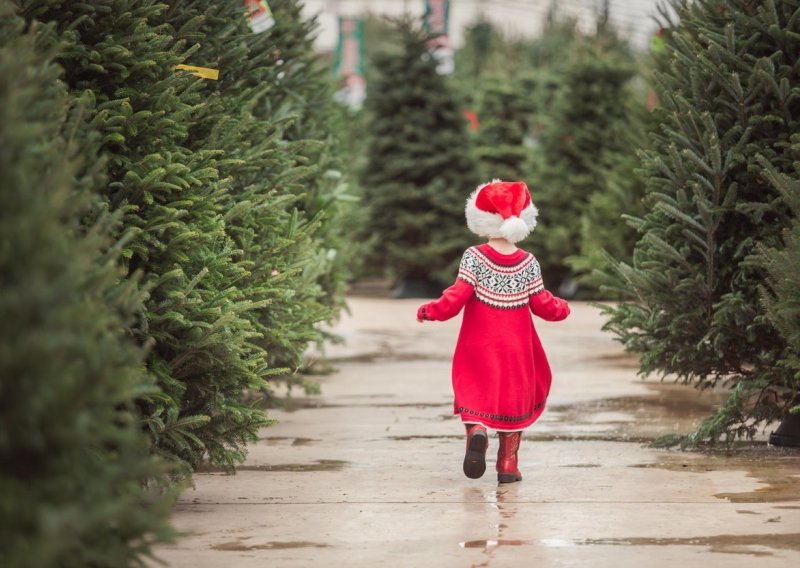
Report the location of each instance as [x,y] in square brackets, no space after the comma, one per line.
[507,478]
[475,459]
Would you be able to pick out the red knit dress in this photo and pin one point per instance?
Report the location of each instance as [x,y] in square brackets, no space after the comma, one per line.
[501,377]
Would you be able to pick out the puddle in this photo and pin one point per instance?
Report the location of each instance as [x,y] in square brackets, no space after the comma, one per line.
[666,409]
[603,437]
[387,355]
[319,465]
[295,441]
[426,437]
[372,396]
[620,360]
[726,543]
[776,469]
[540,437]
[238,545]
[667,400]
[303,403]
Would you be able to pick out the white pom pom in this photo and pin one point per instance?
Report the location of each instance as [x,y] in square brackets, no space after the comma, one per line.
[514,229]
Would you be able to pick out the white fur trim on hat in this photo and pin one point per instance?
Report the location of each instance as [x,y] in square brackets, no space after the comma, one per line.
[529,215]
[491,225]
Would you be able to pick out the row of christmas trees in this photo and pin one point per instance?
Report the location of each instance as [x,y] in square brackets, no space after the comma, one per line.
[558,111]
[688,213]
[167,243]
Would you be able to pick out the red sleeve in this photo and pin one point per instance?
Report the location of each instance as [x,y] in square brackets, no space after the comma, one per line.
[548,307]
[451,302]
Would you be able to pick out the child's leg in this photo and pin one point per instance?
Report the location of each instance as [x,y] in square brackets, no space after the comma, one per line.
[507,467]
[475,458]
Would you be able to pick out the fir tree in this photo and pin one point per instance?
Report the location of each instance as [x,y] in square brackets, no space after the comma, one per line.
[419,170]
[781,296]
[558,38]
[588,125]
[604,232]
[506,113]
[203,352]
[284,199]
[730,93]
[76,466]
[302,92]
[478,47]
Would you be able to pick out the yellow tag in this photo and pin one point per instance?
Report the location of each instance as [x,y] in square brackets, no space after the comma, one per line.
[203,72]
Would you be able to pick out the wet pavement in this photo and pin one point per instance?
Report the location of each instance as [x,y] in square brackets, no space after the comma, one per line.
[369,472]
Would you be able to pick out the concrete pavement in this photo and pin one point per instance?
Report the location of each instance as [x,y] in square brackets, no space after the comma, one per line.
[369,473]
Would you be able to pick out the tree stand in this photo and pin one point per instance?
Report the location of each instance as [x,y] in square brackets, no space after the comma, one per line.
[788,432]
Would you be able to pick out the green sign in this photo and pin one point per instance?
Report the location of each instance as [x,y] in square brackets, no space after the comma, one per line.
[437,17]
[350,49]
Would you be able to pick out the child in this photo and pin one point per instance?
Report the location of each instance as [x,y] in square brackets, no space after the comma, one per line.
[501,377]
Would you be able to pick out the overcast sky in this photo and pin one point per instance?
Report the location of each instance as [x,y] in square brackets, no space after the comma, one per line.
[634,18]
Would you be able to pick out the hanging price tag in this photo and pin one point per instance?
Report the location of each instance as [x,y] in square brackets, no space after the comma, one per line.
[259,14]
[204,72]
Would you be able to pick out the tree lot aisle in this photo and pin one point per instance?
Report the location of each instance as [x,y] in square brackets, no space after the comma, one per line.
[369,473]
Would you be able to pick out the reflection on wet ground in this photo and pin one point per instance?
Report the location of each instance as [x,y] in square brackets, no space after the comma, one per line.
[724,543]
[501,504]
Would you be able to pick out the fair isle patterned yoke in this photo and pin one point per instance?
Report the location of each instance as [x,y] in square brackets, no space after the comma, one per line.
[502,287]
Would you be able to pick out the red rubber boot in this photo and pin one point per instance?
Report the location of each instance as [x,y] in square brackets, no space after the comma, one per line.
[507,469]
[475,458]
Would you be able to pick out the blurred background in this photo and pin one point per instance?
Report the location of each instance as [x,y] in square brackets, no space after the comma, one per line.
[554,93]
[513,18]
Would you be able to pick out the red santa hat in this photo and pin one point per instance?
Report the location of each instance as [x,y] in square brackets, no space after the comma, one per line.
[501,209]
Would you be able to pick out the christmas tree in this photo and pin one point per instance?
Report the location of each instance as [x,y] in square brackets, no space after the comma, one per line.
[729,94]
[604,232]
[76,466]
[419,172]
[302,92]
[506,112]
[202,343]
[587,127]
[781,296]
[285,198]
[479,45]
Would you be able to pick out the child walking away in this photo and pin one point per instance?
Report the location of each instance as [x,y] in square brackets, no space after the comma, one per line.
[501,377]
